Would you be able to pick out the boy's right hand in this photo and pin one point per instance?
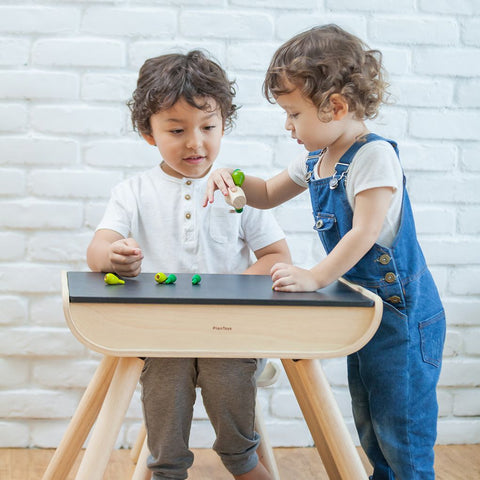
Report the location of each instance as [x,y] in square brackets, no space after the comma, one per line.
[220,179]
[126,257]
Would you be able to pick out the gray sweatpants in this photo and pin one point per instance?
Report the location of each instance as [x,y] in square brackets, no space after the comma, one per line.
[228,389]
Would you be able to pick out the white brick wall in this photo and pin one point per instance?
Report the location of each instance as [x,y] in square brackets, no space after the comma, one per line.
[66,71]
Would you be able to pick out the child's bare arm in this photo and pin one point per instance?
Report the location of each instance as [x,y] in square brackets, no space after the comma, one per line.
[268,256]
[260,193]
[111,252]
[371,208]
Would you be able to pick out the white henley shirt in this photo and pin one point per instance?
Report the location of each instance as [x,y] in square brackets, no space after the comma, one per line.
[176,233]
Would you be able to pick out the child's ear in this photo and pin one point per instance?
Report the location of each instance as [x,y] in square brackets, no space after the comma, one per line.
[149,139]
[339,106]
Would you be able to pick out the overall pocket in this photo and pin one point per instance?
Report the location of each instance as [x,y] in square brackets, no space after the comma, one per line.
[432,338]
[327,228]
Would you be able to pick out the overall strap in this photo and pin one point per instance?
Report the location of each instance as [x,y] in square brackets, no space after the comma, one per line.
[311,161]
[369,137]
[342,166]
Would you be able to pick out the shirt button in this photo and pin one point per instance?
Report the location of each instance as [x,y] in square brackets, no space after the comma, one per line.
[188,182]
[390,277]
[394,299]
[188,216]
[187,197]
[384,259]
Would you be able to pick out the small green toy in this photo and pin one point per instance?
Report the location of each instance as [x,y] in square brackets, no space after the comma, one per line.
[160,277]
[238,177]
[196,279]
[112,279]
[237,200]
[171,279]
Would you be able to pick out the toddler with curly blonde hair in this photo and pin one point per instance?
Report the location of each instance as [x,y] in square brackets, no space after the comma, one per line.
[329,82]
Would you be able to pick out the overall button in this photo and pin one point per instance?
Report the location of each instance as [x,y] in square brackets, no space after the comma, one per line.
[319,223]
[308,176]
[188,216]
[390,277]
[384,259]
[394,299]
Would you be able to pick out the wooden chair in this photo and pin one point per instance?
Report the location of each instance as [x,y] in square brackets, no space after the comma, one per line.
[139,319]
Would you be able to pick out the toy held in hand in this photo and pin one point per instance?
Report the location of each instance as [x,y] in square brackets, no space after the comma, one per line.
[112,279]
[238,177]
[237,199]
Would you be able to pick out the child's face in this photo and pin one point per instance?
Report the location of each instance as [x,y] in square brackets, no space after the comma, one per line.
[304,124]
[188,138]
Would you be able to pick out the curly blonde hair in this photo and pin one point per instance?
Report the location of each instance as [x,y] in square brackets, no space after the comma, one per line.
[326,60]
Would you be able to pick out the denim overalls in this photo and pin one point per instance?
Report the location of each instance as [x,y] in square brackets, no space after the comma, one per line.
[392,379]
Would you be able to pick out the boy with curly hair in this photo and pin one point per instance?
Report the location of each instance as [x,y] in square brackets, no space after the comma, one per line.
[154,221]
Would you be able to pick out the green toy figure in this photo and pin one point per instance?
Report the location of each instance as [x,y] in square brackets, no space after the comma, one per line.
[171,279]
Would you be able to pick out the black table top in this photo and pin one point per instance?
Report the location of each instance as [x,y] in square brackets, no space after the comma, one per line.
[214,289]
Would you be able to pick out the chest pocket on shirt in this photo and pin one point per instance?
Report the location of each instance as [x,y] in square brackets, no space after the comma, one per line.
[224,225]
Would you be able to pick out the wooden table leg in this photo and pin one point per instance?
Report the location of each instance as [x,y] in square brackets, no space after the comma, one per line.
[81,422]
[323,417]
[110,419]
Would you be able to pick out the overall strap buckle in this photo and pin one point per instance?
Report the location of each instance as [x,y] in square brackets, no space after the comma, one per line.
[311,160]
[341,170]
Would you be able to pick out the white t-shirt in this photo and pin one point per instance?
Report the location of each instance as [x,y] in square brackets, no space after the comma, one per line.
[177,234]
[374,165]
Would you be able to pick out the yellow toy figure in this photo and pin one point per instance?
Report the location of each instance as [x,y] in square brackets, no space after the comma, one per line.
[112,279]
[160,277]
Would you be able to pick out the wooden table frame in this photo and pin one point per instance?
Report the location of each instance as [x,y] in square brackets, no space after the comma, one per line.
[252,331]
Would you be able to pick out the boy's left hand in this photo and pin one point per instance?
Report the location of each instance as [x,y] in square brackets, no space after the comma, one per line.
[289,278]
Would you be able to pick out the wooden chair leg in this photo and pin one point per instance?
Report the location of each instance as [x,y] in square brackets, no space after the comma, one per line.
[81,422]
[142,472]
[269,376]
[265,451]
[137,447]
[324,419]
[110,418]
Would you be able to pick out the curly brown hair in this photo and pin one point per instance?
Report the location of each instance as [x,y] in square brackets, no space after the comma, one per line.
[326,60]
[164,80]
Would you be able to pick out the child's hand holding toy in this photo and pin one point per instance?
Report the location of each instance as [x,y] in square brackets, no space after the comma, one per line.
[232,181]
